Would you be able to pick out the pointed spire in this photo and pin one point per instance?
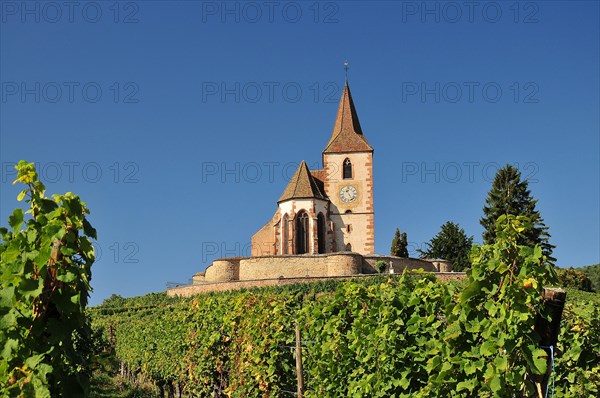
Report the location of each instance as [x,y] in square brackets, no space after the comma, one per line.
[347,135]
[301,185]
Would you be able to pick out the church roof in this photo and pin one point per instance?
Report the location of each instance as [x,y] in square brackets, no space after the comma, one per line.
[319,176]
[347,136]
[302,185]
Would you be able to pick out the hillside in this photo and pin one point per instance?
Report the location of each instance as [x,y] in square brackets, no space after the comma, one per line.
[372,337]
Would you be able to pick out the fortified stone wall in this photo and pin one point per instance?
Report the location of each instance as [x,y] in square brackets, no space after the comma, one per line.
[273,267]
[399,264]
[309,265]
[198,278]
[441,265]
[187,291]
[318,265]
[344,263]
[223,270]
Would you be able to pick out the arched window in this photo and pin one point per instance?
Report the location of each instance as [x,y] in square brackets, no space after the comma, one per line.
[284,234]
[348,247]
[302,233]
[347,169]
[321,232]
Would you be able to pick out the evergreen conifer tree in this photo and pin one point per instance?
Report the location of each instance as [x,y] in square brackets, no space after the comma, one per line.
[399,244]
[403,252]
[511,195]
[451,244]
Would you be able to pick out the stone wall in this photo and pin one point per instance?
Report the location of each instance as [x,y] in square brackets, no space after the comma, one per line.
[340,264]
[300,266]
[344,263]
[399,264]
[198,278]
[282,266]
[187,291]
[441,265]
[223,270]
[309,265]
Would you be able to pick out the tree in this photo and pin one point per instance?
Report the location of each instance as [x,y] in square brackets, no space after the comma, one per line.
[46,262]
[511,195]
[593,272]
[114,301]
[451,244]
[399,245]
[571,277]
[403,245]
[395,243]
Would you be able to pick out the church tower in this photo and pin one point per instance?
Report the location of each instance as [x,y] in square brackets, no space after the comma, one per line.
[348,181]
[329,210]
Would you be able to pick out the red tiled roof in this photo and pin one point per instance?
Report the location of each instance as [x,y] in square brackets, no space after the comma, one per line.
[319,176]
[302,185]
[347,135]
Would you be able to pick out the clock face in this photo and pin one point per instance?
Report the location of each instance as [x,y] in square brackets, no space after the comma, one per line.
[348,194]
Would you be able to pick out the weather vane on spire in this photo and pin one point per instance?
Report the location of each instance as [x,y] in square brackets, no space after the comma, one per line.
[346,67]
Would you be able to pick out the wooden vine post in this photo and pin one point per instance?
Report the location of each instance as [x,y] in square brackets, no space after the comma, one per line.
[299,369]
[554,302]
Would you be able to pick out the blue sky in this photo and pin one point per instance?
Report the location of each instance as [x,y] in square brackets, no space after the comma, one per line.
[179,122]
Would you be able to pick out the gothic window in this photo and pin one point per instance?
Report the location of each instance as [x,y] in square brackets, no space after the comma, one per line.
[347,169]
[302,233]
[284,234]
[321,232]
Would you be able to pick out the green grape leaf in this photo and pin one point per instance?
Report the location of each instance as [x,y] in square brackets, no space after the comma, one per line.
[89,230]
[16,219]
[22,194]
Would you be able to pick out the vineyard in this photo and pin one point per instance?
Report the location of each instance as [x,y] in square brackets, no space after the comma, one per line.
[403,336]
[409,335]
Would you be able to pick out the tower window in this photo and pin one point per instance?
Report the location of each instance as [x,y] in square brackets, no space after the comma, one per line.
[348,228]
[347,169]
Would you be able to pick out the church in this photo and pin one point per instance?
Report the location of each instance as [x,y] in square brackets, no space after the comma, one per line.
[328,210]
[323,227]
